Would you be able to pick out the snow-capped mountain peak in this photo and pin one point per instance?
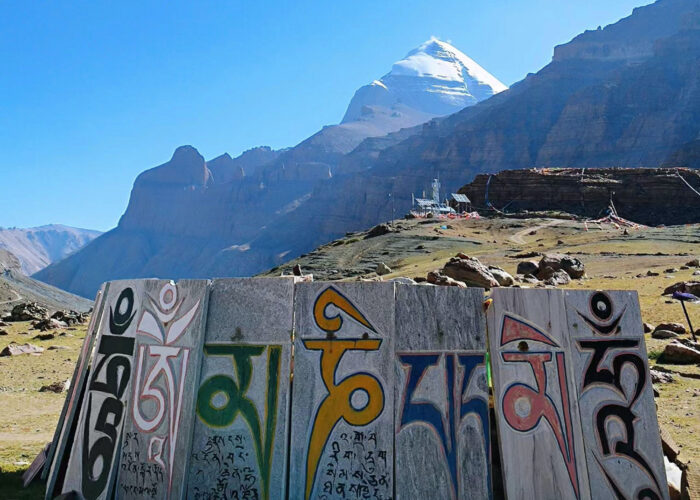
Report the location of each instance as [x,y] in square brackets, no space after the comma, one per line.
[433,79]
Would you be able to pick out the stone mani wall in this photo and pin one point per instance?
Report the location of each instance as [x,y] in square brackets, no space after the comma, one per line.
[273,389]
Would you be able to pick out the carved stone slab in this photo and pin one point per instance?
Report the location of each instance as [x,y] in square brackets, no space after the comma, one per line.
[616,400]
[92,465]
[61,439]
[442,420]
[157,434]
[342,397]
[535,396]
[239,449]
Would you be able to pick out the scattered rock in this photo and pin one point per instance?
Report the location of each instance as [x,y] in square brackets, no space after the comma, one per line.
[528,267]
[652,273]
[679,353]
[671,270]
[16,349]
[3,332]
[674,327]
[378,230]
[469,271]
[2,323]
[296,270]
[648,327]
[503,278]
[382,269]
[696,273]
[684,287]
[436,278]
[559,277]
[58,348]
[529,278]
[57,387]
[684,268]
[693,263]
[663,334]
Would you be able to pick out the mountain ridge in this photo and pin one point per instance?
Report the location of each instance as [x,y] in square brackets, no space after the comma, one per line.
[38,247]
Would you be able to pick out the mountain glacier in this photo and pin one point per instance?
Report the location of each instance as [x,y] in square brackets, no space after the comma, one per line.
[434,79]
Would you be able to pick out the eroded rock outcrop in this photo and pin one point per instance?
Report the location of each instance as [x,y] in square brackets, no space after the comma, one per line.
[650,196]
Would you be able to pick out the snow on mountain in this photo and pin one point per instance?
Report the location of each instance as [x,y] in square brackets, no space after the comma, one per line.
[434,79]
[37,247]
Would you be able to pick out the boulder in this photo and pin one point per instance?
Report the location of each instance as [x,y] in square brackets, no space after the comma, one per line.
[14,349]
[673,478]
[556,261]
[680,353]
[382,269]
[49,324]
[527,267]
[546,272]
[57,387]
[70,317]
[693,263]
[529,278]
[503,278]
[378,230]
[663,334]
[674,327]
[44,336]
[403,280]
[28,311]
[559,277]
[437,278]
[469,271]
[659,377]
[684,287]
[668,444]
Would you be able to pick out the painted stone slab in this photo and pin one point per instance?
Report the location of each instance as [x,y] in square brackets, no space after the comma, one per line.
[61,439]
[92,465]
[616,400]
[442,419]
[239,448]
[535,396]
[342,396]
[154,454]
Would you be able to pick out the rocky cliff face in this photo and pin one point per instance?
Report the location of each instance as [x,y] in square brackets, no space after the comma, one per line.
[624,96]
[649,196]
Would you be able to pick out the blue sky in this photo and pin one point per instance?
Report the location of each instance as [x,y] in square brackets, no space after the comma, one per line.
[94,92]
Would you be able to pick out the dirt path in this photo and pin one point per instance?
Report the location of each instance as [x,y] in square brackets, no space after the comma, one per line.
[19,297]
[518,237]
